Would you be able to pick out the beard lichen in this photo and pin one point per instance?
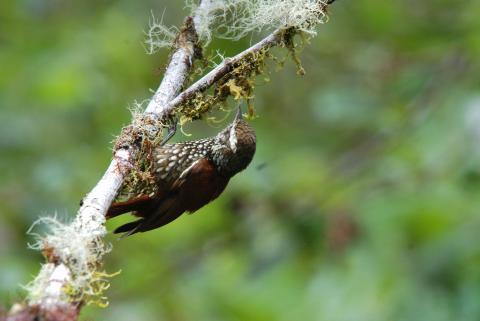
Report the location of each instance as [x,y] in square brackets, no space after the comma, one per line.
[78,251]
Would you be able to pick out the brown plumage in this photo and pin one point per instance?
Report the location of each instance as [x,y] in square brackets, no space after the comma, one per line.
[189,175]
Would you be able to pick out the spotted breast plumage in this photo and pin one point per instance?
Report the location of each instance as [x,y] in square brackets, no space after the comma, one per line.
[189,175]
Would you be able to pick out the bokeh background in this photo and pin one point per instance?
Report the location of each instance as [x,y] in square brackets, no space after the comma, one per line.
[362,202]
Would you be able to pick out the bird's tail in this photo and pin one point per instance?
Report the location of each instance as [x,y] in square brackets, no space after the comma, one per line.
[154,213]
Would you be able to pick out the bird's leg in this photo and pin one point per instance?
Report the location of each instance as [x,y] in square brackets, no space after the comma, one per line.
[238,115]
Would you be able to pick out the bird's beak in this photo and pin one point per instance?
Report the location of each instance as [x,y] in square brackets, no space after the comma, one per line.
[238,116]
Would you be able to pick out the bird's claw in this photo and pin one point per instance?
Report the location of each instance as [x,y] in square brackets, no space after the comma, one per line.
[171,131]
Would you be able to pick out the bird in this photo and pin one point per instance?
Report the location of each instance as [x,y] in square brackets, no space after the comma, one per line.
[189,175]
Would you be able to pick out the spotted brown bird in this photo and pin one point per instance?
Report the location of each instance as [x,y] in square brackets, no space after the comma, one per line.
[189,175]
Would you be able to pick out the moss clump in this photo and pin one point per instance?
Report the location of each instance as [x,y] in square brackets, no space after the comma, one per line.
[238,83]
[144,133]
[288,41]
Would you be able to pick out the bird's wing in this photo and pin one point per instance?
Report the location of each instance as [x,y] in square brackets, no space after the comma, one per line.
[172,160]
[196,186]
[199,184]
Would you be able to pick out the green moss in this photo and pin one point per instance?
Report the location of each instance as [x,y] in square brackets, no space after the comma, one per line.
[288,41]
[145,133]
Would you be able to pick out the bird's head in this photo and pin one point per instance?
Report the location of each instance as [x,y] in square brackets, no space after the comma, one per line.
[235,145]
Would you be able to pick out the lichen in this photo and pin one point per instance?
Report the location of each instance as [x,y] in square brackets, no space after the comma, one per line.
[158,35]
[235,19]
[80,251]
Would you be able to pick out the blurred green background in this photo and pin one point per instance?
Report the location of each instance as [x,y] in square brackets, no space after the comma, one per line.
[362,202]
